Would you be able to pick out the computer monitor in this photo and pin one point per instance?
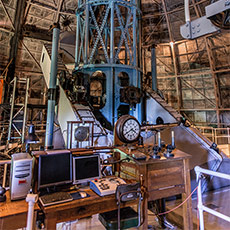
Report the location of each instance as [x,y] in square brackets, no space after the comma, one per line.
[54,169]
[86,168]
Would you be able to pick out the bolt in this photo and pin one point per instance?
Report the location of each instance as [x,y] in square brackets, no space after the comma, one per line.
[198,30]
[198,25]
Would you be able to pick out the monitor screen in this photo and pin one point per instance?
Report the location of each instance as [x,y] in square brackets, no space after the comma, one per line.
[86,168]
[54,169]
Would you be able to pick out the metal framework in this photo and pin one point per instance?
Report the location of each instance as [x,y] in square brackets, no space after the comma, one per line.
[173,69]
[161,20]
[107,40]
[17,107]
[105,29]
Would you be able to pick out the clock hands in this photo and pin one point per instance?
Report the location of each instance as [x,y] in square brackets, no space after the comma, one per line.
[130,131]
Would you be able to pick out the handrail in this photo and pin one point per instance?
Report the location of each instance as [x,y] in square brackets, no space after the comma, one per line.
[201,208]
[215,134]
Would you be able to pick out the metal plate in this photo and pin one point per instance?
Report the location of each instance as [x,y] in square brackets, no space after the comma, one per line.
[81,133]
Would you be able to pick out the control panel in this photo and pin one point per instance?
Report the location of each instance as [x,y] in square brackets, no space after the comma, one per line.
[106,186]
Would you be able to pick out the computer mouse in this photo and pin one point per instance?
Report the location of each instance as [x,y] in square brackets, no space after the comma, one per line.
[83,194]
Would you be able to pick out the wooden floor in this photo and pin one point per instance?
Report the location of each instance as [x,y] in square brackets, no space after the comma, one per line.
[218,200]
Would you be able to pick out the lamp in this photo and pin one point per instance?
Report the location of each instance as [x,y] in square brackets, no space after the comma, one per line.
[31,138]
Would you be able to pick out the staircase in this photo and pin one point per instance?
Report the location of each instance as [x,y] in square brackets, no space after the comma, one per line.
[175,114]
[60,65]
[67,104]
[87,115]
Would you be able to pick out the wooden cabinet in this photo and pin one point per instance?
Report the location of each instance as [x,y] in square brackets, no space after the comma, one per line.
[161,178]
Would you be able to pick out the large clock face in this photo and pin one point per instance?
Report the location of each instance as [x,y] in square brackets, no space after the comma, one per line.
[131,129]
[128,129]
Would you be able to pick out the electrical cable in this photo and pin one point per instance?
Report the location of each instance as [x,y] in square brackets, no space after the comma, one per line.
[163,213]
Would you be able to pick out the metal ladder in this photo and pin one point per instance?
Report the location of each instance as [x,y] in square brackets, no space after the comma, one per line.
[82,114]
[17,108]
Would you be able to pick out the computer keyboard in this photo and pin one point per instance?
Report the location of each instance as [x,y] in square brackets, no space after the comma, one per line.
[55,198]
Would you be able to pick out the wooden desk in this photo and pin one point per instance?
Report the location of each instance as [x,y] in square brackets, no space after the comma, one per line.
[13,214]
[78,209]
[162,178]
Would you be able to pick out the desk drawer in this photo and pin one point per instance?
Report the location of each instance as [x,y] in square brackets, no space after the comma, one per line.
[167,192]
[160,177]
[73,213]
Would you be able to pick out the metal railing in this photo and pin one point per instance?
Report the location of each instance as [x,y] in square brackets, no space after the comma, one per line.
[201,208]
[217,135]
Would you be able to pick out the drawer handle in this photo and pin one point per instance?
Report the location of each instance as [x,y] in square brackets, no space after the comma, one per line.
[172,186]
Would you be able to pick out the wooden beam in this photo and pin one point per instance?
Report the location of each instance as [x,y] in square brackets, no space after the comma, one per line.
[57,15]
[19,12]
[28,5]
[212,66]
[31,55]
[51,8]
[7,14]
[31,31]
[167,21]
[215,80]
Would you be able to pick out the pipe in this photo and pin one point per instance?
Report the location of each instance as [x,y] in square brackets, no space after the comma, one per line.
[25,109]
[134,11]
[187,11]
[31,199]
[154,69]
[77,48]
[200,205]
[198,169]
[86,33]
[112,32]
[52,89]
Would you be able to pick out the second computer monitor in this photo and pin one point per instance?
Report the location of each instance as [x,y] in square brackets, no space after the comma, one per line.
[86,168]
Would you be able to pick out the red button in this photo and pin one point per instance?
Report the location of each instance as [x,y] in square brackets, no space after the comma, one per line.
[21,181]
[95,180]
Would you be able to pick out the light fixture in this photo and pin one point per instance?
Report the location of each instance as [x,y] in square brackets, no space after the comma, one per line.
[32,137]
